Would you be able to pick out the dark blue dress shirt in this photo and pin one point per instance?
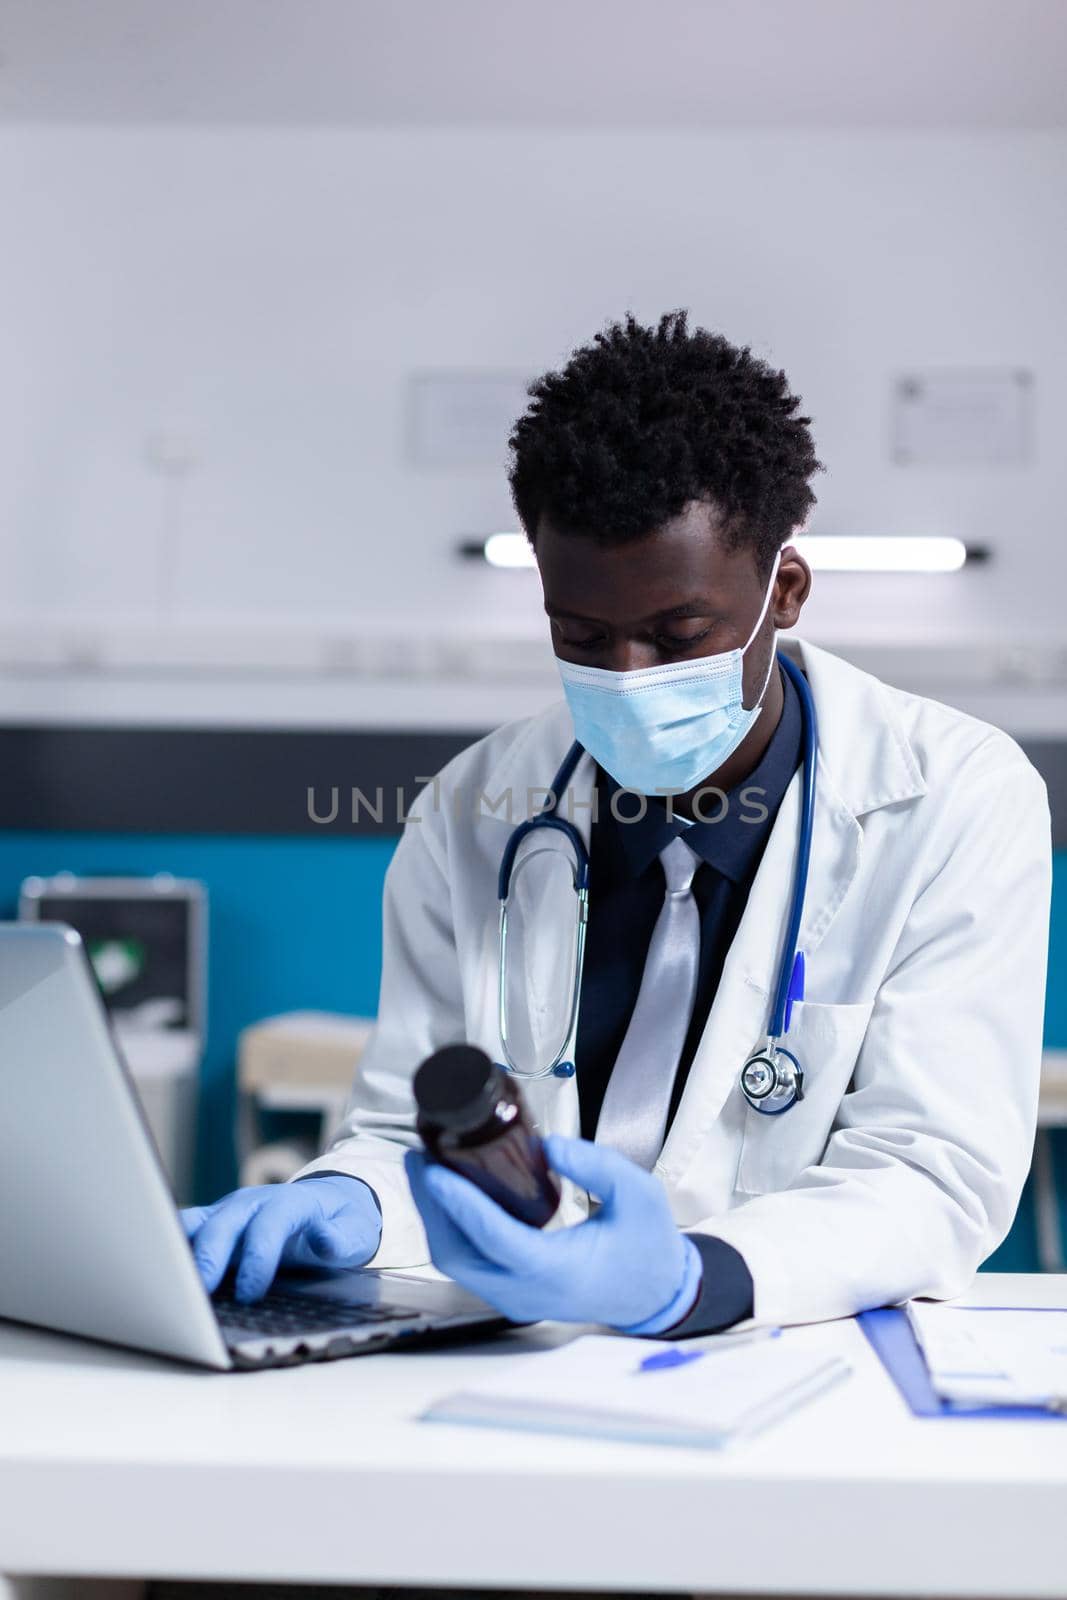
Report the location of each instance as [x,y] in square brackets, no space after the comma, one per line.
[625,898]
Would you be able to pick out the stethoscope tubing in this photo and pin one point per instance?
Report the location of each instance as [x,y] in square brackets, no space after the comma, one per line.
[562,1066]
[548,819]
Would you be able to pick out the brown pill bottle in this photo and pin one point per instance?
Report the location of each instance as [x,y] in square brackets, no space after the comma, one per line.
[471,1117]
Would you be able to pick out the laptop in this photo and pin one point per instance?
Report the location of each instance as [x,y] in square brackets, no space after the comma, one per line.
[91,1242]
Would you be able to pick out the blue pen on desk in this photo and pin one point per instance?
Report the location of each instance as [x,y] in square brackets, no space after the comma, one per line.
[663,1360]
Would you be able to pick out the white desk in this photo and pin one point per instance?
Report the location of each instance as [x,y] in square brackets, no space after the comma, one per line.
[117,1464]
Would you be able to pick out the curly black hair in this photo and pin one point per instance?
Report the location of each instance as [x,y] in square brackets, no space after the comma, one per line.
[644,420]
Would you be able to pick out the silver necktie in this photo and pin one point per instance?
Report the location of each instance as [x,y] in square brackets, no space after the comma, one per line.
[633,1117]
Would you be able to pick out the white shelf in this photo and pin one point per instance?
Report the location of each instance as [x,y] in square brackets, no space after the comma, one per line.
[208,675]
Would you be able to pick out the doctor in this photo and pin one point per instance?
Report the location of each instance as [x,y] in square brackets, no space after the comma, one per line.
[659,477]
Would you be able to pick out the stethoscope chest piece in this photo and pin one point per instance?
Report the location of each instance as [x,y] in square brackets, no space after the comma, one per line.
[772,1080]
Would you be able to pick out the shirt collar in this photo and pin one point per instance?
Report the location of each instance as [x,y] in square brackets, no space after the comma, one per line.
[733,837]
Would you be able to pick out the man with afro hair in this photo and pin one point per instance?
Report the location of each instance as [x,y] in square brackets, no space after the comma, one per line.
[660,478]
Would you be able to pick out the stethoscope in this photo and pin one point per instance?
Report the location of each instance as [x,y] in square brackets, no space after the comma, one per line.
[772,1079]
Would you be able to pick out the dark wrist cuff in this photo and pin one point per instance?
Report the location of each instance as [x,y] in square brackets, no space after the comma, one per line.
[726,1291]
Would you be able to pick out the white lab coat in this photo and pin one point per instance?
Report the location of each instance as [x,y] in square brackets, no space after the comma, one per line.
[925,932]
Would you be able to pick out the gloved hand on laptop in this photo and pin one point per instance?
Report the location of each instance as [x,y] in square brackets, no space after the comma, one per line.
[328,1220]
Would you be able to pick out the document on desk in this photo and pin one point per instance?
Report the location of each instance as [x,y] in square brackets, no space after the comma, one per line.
[631,1389]
[979,1356]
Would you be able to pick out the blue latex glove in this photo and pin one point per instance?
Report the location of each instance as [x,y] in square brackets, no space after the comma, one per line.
[328,1221]
[627,1267]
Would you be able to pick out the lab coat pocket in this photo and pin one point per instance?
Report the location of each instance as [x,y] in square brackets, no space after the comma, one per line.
[826,1041]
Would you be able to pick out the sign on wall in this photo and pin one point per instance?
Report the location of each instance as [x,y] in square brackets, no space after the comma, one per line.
[963,418]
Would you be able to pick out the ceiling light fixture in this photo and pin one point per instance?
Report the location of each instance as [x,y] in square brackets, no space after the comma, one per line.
[823,552]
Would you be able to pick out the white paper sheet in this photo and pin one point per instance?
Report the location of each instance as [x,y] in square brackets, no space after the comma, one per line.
[982,1357]
[595,1386]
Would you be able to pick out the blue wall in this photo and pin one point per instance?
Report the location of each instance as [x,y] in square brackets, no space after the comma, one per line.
[296,923]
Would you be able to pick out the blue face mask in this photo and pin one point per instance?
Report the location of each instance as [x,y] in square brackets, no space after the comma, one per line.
[664,728]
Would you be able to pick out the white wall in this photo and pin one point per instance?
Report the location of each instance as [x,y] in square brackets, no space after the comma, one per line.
[261,295]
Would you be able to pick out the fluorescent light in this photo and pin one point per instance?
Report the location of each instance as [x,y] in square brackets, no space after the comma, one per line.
[878,553]
[823,552]
[508,550]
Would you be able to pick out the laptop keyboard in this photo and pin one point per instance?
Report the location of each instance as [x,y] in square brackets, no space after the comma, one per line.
[286,1315]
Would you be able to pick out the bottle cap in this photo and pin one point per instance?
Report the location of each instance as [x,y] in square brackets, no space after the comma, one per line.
[457,1087]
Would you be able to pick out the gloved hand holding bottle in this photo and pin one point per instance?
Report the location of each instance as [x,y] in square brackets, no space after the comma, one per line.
[324,1221]
[628,1267]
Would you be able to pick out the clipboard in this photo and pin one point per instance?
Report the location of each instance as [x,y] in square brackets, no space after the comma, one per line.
[890,1336]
